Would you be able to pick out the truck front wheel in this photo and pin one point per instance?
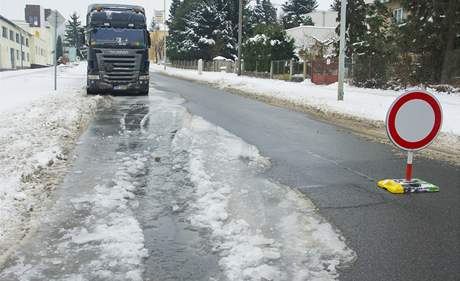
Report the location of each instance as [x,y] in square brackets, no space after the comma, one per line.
[90,92]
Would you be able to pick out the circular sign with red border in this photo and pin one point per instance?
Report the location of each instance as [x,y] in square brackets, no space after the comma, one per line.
[414,120]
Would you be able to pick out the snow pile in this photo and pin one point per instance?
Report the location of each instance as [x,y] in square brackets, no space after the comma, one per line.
[37,129]
[100,240]
[261,230]
[367,104]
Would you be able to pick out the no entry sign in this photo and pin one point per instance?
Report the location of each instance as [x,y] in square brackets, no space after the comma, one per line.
[414,120]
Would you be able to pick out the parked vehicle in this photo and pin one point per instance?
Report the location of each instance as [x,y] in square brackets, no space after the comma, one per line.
[118,42]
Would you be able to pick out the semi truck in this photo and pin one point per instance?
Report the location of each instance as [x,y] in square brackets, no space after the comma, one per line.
[118,43]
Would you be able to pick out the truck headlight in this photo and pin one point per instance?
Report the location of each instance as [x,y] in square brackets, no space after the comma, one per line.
[93,77]
[144,77]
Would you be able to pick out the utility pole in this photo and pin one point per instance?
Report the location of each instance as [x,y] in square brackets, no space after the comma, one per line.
[55,48]
[343,22]
[240,34]
[164,35]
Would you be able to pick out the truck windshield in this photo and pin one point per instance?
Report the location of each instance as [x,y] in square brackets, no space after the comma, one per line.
[118,38]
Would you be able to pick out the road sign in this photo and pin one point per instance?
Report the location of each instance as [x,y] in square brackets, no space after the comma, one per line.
[413,122]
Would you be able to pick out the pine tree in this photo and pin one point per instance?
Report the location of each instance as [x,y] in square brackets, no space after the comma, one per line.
[59,48]
[260,12]
[432,31]
[356,24]
[269,42]
[375,53]
[73,33]
[208,31]
[176,24]
[175,5]
[295,12]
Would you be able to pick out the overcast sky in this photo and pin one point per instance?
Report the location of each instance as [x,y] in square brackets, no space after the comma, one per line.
[14,9]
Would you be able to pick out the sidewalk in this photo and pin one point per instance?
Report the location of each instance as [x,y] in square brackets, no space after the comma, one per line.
[38,129]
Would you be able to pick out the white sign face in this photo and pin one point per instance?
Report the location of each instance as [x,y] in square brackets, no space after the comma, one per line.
[414,120]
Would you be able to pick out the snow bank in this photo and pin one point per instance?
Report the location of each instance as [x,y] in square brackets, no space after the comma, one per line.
[369,104]
[37,128]
[261,230]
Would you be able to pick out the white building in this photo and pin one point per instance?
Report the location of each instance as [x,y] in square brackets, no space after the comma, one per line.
[15,45]
[26,45]
[41,46]
[324,18]
[322,33]
[306,37]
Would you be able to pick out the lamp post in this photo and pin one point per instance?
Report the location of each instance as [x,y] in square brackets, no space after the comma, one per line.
[55,48]
[164,35]
[240,34]
[343,21]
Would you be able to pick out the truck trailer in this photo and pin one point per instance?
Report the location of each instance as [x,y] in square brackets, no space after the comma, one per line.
[118,43]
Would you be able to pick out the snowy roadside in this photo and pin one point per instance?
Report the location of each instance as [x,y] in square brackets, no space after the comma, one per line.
[364,106]
[38,129]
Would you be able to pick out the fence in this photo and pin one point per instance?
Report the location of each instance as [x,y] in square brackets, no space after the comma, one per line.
[288,70]
[211,66]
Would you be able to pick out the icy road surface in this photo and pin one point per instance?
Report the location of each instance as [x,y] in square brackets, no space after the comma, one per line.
[158,194]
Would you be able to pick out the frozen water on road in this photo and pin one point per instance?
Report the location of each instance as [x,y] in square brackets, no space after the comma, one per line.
[159,194]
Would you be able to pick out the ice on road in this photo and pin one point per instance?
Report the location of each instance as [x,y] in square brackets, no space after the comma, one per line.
[158,188]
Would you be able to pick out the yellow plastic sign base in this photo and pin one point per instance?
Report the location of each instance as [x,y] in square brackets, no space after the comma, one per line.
[403,186]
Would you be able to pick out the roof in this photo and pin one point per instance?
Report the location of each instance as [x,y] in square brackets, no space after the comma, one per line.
[306,35]
[12,23]
[115,7]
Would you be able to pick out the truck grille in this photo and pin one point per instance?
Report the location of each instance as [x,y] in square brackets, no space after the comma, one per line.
[120,70]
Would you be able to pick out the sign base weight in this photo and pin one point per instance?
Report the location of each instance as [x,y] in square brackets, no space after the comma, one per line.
[396,186]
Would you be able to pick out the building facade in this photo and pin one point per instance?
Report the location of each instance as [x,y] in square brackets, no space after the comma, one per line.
[15,45]
[29,43]
[156,51]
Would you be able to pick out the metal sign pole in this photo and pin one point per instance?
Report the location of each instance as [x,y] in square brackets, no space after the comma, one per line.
[55,49]
[240,34]
[164,35]
[343,21]
[410,159]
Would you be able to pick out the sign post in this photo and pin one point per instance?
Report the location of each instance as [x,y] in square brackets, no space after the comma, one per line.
[413,122]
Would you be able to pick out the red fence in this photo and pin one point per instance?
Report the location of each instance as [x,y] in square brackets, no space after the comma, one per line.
[324,72]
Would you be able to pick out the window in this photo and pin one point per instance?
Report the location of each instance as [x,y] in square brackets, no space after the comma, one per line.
[22,40]
[398,15]
[23,56]
[17,38]
[4,32]
[27,42]
[28,57]
[17,54]
[11,35]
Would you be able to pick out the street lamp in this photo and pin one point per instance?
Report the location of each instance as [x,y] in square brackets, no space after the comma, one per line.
[164,35]
[240,34]
[343,21]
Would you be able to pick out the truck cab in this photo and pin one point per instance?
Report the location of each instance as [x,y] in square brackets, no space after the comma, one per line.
[118,43]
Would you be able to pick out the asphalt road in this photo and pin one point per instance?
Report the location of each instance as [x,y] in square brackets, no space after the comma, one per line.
[396,237]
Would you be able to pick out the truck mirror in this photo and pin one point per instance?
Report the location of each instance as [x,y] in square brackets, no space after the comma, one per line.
[149,40]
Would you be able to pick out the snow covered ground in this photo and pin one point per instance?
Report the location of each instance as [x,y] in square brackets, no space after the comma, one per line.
[37,129]
[368,104]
